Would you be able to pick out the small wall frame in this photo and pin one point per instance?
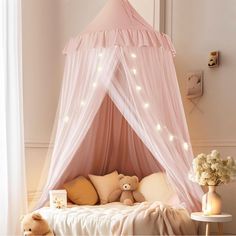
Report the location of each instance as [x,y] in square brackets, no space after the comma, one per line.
[194,84]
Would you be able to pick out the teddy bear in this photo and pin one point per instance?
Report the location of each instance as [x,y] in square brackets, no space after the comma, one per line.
[127,193]
[34,224]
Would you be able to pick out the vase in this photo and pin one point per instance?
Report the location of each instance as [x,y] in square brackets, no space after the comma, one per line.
[211,202]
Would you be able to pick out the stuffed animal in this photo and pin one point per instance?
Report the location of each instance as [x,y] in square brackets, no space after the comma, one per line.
[127,193]
[33,224]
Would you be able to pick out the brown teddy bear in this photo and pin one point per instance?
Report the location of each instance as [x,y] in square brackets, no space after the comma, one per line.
[33,224]
[127,193]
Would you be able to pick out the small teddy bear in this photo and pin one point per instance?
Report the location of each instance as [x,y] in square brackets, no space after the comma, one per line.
[33,224]
[127,193]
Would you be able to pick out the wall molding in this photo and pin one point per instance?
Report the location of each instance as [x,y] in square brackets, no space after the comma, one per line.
[33,144]
[32,195]
[214,143]
[159,12]
[195,143]
[168,18]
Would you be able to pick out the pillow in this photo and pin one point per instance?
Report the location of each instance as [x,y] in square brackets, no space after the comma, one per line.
[105,185]
[81,191]
[155,187]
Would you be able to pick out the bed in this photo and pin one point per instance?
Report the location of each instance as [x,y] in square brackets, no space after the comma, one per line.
[147,218]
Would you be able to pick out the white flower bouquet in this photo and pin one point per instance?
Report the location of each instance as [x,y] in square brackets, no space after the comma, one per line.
[212,170]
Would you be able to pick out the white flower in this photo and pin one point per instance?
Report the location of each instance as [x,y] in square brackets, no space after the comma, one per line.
[202,181]
[197,161]
[206,166]
[206,174]
[230,161]
[209,159]
[201,157]
[215,154]
[212,170]
[215,166]
[211,182]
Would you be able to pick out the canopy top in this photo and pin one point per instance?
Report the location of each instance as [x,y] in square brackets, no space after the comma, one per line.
[118,24]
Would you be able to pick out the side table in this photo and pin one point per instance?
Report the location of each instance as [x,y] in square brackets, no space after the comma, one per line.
[219,219]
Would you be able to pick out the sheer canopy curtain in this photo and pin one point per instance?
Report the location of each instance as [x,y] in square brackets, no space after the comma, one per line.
[80,100]
[12,163]
[149,98]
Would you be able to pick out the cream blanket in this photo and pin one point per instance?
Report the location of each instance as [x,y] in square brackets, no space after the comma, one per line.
[117,219]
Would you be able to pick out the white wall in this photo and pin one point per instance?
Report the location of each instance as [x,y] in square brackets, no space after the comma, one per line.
[198,27]
[40,78]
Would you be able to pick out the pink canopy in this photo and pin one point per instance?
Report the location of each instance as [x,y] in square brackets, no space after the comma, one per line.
[120,106]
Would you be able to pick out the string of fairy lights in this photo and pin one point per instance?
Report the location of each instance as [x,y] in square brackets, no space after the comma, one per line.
[159,127]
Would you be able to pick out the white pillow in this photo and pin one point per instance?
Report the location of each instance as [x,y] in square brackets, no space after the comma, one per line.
[105,185]
[155,187]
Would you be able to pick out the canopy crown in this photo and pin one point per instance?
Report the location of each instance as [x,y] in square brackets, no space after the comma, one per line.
[118,14]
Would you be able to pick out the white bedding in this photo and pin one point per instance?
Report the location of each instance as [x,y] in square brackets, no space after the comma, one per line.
[117,219]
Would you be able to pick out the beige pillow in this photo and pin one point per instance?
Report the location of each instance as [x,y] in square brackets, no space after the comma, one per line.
[105,185]
[81,191]
[155,187]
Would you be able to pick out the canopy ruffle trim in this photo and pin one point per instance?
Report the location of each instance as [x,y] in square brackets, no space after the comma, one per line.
[119,37]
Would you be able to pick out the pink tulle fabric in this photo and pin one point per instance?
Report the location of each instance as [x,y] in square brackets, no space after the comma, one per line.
[120,106]
[119,37]
[118,24]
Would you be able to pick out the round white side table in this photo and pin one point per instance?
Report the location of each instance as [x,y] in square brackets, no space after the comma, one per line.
[219,219]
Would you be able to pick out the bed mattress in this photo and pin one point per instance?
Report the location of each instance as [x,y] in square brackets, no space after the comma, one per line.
[147,218]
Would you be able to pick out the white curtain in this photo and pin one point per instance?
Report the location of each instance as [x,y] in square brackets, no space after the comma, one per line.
[12,163]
